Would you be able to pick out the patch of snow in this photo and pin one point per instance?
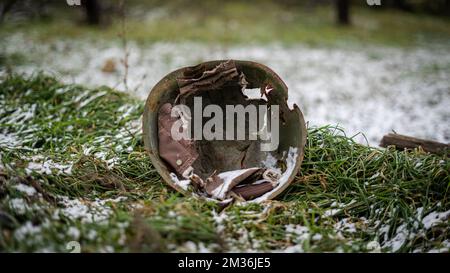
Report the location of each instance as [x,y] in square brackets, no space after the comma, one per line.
[377,174]
[184,184]
[10,140]
[373,90]
[28,229]
[30,191]
[345,225]
[401,237]
[74,233]
[219,220]
[92,234]
[439,250]
[190,246]
[172,214]
[48,167]
[374,247]
[292,249]
[90,99]
[23,113]
[19,205]
[331,212]
[435,218]
[297,232]
[88,212]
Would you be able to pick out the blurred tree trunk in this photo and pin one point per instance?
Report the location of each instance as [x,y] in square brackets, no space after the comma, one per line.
[5,7]
[402,5]
[93,11]
[343,11]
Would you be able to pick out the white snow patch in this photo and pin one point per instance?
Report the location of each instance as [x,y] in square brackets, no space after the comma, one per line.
[30,191]
[28,229]
[73,232]
[298,234]
[400,238]
[345,225]
[435,218]
[331,212]
[292,249]
[374,247]
[219,219]
[19,205]
[48,167]
[184,184]
[383,86]
[88,212]
[92,98]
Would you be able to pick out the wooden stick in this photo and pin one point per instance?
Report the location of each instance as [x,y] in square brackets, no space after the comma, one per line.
[402,142]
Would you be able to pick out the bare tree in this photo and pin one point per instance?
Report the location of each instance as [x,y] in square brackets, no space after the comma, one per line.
[402,5]
[343,12]
[5,7]
[93,11]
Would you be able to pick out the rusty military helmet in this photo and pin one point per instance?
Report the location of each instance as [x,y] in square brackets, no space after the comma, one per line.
[240,159]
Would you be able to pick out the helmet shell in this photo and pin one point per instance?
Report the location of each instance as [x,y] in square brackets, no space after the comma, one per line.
[292,127]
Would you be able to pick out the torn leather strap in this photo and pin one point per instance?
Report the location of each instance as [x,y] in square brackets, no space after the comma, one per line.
[251,191]
[179,154]
[247,183]
[219,185]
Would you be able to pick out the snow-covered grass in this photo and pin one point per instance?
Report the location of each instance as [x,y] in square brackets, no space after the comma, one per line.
[369,89]
[75,170]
